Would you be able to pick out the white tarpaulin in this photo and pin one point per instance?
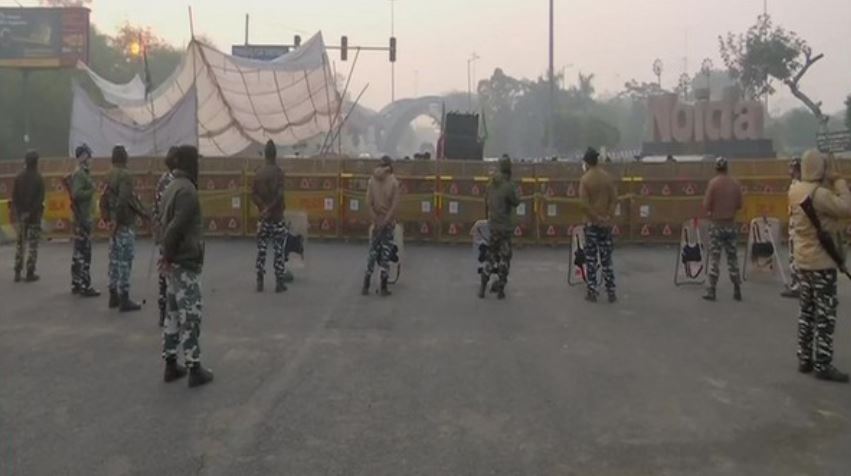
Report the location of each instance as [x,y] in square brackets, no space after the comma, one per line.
[241,102]
[102,129]
[116,93]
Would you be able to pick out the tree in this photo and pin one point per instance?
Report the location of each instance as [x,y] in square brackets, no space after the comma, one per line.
[767,52]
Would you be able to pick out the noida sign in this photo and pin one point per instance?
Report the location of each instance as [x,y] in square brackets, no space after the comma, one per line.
[728,128]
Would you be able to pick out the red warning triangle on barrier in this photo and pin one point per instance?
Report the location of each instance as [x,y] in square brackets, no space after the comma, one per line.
[424,229]
[744,229]
[210,184]
[768,189]
[453,189]
[57,186]
[551,231]
[212,226]
[744,189]
[232,224]
[403,188]
[475,191]
[571,191]
[60,224]
[645,230]
[666,190]
[305,184]
[453,230]
[667,231]
[549,191]
[689,189]
[102,225]
[3,187]
[232,185]
[326,225]
[645,190]
[616,230]
[518,231]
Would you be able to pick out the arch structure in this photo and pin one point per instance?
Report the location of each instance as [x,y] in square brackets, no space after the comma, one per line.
[392,121]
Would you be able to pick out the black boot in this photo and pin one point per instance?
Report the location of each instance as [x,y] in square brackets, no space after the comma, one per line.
[75,291]
[710,294]
[173,370]
[32,277]
[280,286]
[113,299]
[831,374]
[162,318]
[500,294]
[590,297]
[791,293]
[17,276]
[384,290]
[126,305]
[198,375]
[613,298]
[483,287]
[259,283]
[805,367]
[737,292]
[89,293]
[367,280]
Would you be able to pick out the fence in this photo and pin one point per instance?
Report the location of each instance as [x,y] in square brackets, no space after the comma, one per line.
[440,200]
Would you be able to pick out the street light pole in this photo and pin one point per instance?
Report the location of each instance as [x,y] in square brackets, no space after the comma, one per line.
[551,73]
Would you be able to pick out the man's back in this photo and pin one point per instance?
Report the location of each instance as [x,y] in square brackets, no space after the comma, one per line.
[599,196]
[501,201]
[28,195]
[268,188]
[723,198]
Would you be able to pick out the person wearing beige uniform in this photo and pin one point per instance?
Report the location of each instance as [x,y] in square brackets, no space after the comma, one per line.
[722,201]
[817,271]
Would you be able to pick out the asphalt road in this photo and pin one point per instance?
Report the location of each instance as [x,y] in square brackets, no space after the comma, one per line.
[432,381]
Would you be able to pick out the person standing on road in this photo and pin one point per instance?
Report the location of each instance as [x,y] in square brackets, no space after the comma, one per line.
[501,201]
[599,198]
[182,251]
[268,196]
[82,195]
[794,288]
[722,201]
[164,181]
[827,192]
[382,200]
[124,208]
[27,208]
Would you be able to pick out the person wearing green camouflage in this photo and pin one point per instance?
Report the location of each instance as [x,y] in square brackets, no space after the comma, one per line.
[501,200]
[27,208]
[182,250]
[82,194]
[124,207]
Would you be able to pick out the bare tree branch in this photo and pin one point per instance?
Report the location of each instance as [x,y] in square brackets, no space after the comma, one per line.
[794,87]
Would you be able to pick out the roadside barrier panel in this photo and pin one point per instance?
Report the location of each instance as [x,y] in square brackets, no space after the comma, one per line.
[558,207]
[354,178]
[659,219]
[418,204]
[220,188]
[461,197]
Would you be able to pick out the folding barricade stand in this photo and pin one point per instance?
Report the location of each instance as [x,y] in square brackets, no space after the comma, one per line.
[691,253]
[577,257]
[762,250]
[397,252]
[481,234]
[297,227]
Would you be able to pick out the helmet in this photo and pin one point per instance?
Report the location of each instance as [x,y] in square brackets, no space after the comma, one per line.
[721,164]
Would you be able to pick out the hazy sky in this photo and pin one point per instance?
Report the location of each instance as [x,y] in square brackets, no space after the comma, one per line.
[614,39]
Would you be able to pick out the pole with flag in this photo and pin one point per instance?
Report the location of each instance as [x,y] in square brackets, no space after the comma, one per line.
[148,89]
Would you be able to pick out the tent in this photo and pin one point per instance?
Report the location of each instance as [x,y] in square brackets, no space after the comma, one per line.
[235,103]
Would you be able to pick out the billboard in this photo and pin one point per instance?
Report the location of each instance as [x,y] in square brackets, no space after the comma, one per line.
[43,37]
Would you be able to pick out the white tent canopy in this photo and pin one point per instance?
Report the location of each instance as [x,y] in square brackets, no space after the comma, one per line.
[239,102]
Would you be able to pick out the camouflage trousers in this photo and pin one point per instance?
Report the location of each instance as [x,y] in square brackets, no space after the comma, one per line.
[182,327]
[162,298]
[723,238]
[81,259]
[598,254]
[380,249]
[276,232]
[794,278]
[122,250]
[499,256]
[817,320]
[28,237]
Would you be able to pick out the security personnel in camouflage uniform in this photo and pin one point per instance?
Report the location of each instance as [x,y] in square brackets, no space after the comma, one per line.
[124,208]
[82,195]
[599,198]
[500,202]
[27,208]
[382,200]
[165,180]
[182,250]
[817,273]
[722,201]
[268,196]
